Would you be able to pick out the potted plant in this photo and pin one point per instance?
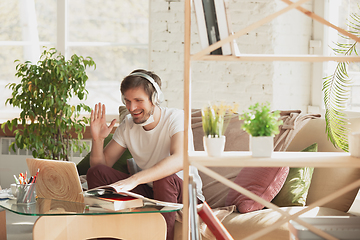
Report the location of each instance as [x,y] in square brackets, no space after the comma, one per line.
[48,125]
[215,119]
[262,124]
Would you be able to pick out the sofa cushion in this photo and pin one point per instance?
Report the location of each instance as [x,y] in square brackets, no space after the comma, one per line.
[120,164]
[328,180]
[296,186]
[214,191]
[243,225]
[265,182]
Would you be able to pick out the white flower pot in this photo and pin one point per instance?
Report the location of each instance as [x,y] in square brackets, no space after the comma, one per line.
[214,146]
[261,146]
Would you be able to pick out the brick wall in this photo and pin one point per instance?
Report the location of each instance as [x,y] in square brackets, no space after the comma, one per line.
[285,84]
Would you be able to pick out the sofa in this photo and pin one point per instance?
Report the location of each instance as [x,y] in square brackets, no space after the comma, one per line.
[306,130]
[298,132]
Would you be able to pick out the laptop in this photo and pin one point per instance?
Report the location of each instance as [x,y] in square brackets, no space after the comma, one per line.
[56,179]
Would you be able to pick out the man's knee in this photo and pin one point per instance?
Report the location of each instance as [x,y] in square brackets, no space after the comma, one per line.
[96,170]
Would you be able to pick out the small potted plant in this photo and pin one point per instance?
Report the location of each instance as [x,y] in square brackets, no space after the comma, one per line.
[262,124]
[48,125]
[215,119]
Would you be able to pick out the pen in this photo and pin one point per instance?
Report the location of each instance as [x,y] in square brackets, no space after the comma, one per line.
[34,180]
[16,180]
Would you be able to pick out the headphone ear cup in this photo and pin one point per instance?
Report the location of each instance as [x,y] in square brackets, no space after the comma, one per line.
[123,100]
[154,98]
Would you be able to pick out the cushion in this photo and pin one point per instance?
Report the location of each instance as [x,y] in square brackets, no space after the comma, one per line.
[326,181]
[214,191]
[296,186]
[120,164]
[266,182]
[241,226]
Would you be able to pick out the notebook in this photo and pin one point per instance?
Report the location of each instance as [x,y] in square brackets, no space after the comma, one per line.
[56,179]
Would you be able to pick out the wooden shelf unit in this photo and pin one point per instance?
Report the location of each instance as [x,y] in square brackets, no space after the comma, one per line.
[244,159]
[278,159]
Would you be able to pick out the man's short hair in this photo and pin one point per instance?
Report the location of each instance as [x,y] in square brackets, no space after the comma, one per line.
[131,82]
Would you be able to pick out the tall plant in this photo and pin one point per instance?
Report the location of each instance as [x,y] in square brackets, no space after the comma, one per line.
[48,125]
[336,88]
[216,117]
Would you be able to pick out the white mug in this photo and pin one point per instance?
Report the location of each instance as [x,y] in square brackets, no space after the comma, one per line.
[13,189]
[354,144]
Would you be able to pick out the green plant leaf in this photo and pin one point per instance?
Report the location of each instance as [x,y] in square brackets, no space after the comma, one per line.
[336,88]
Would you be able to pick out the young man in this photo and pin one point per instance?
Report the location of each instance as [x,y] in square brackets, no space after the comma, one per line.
[154,136]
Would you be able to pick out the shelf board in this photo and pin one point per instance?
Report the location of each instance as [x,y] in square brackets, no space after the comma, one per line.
[277,57]
[278,159]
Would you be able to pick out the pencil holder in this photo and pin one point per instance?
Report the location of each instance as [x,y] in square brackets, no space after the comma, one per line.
[26,193]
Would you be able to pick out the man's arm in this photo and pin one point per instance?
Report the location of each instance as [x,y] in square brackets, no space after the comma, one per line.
[168,166]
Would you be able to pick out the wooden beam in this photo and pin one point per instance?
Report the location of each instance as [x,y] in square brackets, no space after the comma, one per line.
[323,21]
[187,109]
[272,57]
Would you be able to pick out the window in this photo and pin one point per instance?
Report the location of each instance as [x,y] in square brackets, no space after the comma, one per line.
[113,32]
[338,13]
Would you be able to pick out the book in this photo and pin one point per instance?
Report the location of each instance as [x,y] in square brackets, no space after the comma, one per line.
[211,24]
[112,188]
[113,201]
[214,26]
[213,223]
[200,19]
[223,25]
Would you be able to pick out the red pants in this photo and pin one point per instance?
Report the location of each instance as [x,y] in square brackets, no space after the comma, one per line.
[168,189]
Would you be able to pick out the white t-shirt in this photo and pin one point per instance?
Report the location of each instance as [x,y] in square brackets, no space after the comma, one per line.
[150,147]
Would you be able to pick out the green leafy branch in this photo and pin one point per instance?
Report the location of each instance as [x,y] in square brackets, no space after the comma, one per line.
[336,88]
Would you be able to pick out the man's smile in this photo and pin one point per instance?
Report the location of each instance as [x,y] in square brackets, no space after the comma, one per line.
[137,114]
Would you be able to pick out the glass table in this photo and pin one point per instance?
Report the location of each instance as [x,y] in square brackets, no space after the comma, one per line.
[72,220]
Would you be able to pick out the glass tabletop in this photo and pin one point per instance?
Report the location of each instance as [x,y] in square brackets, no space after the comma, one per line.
[51,207]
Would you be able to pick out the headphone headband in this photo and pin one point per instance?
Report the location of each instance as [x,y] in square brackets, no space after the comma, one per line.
[157,97]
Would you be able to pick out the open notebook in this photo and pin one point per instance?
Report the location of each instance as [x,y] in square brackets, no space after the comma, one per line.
[56,179]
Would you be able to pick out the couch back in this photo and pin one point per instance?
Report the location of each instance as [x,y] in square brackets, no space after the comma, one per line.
[326,180]
[309,129]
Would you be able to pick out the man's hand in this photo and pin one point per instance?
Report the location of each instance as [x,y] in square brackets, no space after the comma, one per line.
[98,128]
[127,184]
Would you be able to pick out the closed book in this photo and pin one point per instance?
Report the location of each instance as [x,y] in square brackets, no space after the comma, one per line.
[200,19]
[211,24]
[213,223]
[223,25]
[113,202]
[113,189]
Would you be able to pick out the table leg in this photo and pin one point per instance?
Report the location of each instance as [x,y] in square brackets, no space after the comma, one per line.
[137,226]
[3,225]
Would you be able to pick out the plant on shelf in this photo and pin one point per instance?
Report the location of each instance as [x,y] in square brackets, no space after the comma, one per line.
[262,124]
[215,119]
[48,125]
[261,121]
[336,88]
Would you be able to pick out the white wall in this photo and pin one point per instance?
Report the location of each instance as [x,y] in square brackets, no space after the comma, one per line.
[285,84]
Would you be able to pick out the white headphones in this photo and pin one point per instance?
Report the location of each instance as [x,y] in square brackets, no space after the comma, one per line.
[157,96]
